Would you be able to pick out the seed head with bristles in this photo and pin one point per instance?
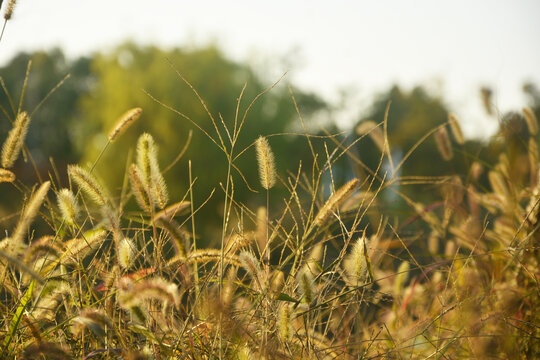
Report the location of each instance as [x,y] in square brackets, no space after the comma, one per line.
[30,212]
[250,264]
[530,118]
[69,209]
[126,253]
[401,277]
[267,166]
[285,322]
[80,247]
[335,200]
[6,176]
[9,10]
[356,263]
[149,168]
[156,288]
[124,122]
[498,184]
[443,144]
[306,285]
[138,188]
[277,283]
[88,184]
[14,142]
[455,128]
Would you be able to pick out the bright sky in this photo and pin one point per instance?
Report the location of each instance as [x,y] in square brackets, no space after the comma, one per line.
[452,47]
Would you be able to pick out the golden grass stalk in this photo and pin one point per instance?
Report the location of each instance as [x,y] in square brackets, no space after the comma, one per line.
[356,264]
[15,139]
[155,288]
[262,228]
[126,253]
[313,259]
[149,168]
[203,256]
[267,166]
[530,119]
[138,188]
[401,277]
[306,285]
[476,170]
[533,160]
[177,209]
[9,10]
[335,200]
[250,264]
[6,176]
[124,122]
[179,237]
[443,144]
[229,288]
[486,94]
[69,209]
[93,319]
[44,245]
[81,247]
[30,212]
[46,350]
[88,184]
[238,241]
[498,184]
[285,322]
[277,283]
[455,128]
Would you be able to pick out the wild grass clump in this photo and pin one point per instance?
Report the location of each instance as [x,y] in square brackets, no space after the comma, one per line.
[325,275]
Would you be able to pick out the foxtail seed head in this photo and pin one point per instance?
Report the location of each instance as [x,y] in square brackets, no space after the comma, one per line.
[9,9]
[530,118]
[356,263]
[88,184]
[455,128]
[124,122]
[6,176]
[335,200]
[402,276]
[278,281]
[13,144]
[285,322]
[267,166]
[138,188]
[149,168]
[30,212]
[69,209]
[250,264]
[126,253]
[306,285]
[443,144]
[498,184]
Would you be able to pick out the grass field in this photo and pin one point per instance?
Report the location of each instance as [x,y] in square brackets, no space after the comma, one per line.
[326,278]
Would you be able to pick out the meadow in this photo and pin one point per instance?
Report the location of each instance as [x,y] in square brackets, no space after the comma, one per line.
[326,269]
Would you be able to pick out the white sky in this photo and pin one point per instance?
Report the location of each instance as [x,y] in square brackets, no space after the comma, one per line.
[453,47]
